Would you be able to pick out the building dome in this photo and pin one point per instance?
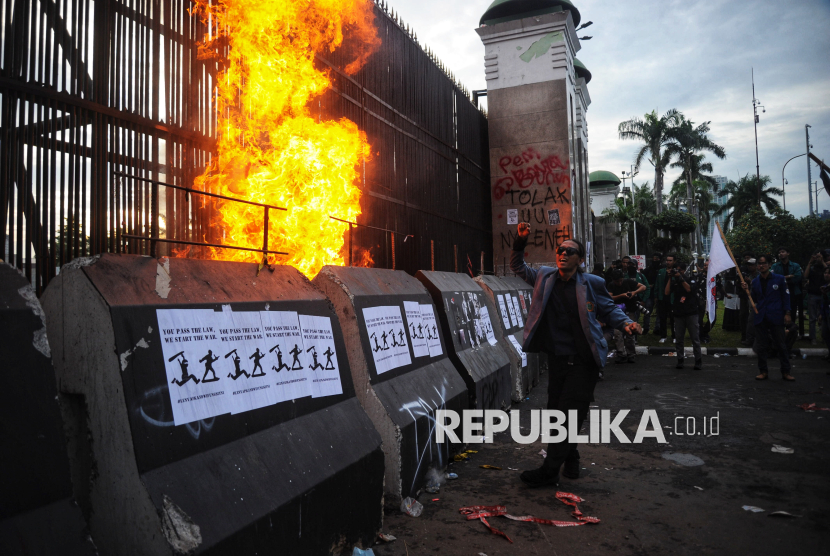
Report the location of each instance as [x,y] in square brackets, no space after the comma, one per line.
[602,178]
[508,10]
[582,71]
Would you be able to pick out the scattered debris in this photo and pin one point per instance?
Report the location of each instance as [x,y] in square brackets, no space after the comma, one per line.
[435,478]
[782,449]
[358,552]
[432,489]
[670,354]
[387,538]
[436,499]
[464,455]
[721,355]
[683,459]
[490,467]
[483,512]
[412,507]
[451,476]
[783,514]
[697,487]
[810,407]
[543,453]
[754,509]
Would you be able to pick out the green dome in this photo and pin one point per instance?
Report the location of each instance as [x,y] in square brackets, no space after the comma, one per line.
[602,178]
[508,10]
[582,71]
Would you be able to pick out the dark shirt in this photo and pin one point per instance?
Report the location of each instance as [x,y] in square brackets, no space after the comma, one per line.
[627,285]
[685,302]
[563,322]
[651,273]
[764,282]
[815,280]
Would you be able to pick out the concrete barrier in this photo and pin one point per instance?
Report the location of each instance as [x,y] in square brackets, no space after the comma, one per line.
[213,409]
[512,307]
[526,290]
[400,367]
[38,514]
[468,319]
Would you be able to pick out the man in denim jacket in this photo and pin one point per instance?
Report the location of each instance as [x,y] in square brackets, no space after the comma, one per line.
[564,322]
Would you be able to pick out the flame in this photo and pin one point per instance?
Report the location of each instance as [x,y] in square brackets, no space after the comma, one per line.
[271,148]
[364,258]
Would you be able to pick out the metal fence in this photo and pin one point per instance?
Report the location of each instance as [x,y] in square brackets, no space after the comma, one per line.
[90,91]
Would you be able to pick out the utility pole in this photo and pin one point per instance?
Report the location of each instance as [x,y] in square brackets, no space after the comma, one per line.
[809,175]
[755,104]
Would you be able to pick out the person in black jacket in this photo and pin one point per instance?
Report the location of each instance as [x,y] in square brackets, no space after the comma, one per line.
[685,306]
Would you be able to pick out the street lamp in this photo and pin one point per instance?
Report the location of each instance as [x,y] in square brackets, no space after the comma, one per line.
[631,175]
[785,182]
[756,104]
[809,175]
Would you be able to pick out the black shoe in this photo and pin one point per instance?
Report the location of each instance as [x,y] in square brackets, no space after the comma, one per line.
[539,477]
[679,364]
[571,469]
[630,359]
[698,364]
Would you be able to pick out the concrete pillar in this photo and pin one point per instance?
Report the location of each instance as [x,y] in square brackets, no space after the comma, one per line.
[538,134]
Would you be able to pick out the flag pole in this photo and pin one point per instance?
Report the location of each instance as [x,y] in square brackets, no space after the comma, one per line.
[740,274]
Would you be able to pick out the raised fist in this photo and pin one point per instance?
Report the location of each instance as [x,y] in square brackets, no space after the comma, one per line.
[524,229]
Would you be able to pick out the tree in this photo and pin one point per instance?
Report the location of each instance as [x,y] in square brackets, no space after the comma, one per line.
[685,142]
[652,131]
[702,198]
[760,233]
[676,223]
[746,194]
[645,207]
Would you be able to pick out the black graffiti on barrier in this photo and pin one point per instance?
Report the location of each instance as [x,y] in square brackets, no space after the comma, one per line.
[525,197]
[549,239]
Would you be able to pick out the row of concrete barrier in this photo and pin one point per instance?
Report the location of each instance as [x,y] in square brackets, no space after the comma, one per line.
[206,408]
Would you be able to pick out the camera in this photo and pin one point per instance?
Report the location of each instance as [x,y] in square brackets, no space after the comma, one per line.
[643,309]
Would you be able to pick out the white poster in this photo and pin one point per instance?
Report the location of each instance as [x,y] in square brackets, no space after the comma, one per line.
[244,348]
[512,216]
[188,340]
[431,328]
[387,338]
[518,347]
[488,326]
[285,355]
[320,356]
[514,321]
[415,325]
[505,315]
[517,311]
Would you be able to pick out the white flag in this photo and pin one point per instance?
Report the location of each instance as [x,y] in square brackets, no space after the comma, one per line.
[719,260]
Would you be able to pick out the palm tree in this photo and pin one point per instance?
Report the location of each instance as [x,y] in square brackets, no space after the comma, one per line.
[687,140]
[697,167]
[702,198]
[652,131]
[748,192]
[645,207]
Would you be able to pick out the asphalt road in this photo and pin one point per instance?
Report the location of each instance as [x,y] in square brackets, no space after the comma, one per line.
[648,504]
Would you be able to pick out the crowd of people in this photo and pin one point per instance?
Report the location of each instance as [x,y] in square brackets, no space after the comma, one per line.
[671,298]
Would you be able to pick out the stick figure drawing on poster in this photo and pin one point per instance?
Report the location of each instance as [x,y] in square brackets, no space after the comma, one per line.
[421,331]
[328,353]
[377,347]
[279,359]
[385,345]
[257,356]
[295,364]
[236,361]
[412,331]
[185,375]
[315,365]
[394,341]
[209,360]
[400,334]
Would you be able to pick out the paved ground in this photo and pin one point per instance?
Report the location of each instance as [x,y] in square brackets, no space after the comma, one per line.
[648,504]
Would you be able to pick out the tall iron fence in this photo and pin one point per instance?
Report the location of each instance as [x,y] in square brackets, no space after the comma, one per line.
[91,91]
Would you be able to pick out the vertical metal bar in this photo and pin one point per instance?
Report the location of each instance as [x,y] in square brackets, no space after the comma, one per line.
[393,249]
[351,231]
[432,255]
[265,236]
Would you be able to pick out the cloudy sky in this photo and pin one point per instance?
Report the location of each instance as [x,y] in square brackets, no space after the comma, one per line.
[696,56]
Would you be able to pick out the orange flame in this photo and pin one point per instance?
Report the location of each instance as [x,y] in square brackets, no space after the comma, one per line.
[271,149]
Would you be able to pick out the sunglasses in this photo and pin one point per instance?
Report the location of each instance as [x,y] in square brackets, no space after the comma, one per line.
[570,251]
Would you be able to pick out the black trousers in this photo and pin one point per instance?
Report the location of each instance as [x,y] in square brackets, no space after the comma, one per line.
[666,317]
[771,336]
[570,387]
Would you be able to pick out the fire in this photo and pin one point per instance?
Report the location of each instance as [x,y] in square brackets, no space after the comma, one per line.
[272,147]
